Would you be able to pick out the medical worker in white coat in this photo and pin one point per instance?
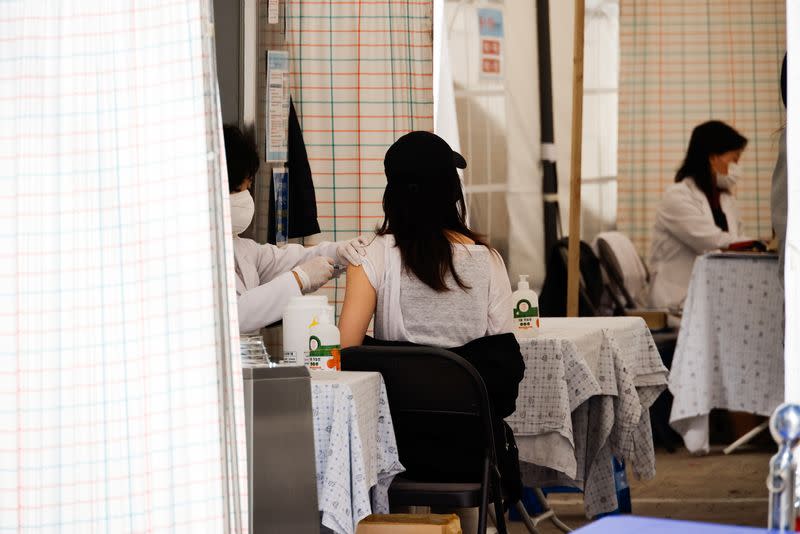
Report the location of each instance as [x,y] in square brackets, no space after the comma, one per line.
[268,276]
[697,214]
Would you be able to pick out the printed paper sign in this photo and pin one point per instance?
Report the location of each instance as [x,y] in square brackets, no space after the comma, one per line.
[491,35]
[272,11]
[277,122]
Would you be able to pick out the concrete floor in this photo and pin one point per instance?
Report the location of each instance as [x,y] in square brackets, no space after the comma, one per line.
[714,488]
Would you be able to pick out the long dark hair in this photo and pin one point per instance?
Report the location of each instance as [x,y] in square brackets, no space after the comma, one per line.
[419,211]
[708,139]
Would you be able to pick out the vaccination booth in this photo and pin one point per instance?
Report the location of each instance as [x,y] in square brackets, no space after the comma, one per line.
[135,399]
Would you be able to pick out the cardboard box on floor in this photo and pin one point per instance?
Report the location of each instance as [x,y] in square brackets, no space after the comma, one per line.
[410,524]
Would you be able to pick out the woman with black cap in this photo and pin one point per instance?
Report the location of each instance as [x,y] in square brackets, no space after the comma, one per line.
[426,277]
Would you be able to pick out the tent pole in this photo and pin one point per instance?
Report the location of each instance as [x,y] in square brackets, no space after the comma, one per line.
[552,221]
[573,255]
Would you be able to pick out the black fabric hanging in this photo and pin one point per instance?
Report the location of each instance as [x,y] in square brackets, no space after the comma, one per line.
[302,201]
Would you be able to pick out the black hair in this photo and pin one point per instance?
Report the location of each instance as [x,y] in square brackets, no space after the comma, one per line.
[241,156]
[420,215]
[708,139]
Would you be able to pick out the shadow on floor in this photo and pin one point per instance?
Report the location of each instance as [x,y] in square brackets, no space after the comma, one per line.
[714,488]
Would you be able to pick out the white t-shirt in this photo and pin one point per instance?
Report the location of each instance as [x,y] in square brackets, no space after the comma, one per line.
[409,310]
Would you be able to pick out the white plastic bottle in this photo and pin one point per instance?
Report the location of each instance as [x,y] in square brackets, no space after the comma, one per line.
[525,310]
[298,316]
[324,344]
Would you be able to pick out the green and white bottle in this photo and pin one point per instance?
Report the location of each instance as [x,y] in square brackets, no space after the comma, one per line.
[526,309]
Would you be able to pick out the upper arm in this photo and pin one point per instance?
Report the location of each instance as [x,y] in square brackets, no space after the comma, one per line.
[500,317]
[360,300]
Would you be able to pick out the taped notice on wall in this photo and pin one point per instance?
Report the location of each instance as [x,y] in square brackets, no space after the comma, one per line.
[491,40]
[277,109]
[272,11]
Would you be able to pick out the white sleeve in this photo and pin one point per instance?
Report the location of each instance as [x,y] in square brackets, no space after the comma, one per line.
[272,261]
[500,315]
[680,216]
[374,262]
[264,305]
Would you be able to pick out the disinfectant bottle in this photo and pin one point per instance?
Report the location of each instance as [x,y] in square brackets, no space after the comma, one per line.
[297,318]
[324,346]
[526,309]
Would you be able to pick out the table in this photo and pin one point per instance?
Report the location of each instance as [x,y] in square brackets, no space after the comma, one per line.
[730,347]
[648,525]
[588,385]
[355,446]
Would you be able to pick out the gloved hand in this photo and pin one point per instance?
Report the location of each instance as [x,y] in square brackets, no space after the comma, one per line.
[354,250]
[314,273]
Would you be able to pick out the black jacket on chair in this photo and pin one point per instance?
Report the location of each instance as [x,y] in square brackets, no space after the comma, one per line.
[499,361]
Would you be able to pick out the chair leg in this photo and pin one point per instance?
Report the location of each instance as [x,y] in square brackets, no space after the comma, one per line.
[499,516]
[484,498]
[526,519]
[547,508]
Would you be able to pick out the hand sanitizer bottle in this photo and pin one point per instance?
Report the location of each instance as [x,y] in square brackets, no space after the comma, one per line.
[526,309]
[324,348]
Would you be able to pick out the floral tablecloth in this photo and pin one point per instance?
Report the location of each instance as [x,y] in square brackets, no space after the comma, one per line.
[730,348]
[355,447]
[588,385]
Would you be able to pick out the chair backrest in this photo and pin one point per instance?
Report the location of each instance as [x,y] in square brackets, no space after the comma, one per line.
[439,406]
[553,297]
[624,267]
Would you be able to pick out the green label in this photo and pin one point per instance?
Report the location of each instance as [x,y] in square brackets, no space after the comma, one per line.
[524,310]
[323,356]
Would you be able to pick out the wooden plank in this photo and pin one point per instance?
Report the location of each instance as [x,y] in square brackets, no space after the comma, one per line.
[573,255]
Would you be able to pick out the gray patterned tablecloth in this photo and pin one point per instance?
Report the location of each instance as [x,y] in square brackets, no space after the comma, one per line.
[588,385]
[355,446]
[730,347]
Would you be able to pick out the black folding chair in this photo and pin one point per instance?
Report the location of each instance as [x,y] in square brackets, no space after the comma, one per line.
[443,424]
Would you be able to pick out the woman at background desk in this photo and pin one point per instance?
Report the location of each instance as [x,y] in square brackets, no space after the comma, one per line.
[697,214]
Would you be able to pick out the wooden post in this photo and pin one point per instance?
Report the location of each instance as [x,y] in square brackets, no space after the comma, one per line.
[573,255]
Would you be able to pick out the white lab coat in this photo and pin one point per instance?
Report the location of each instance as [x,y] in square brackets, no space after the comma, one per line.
[264,282]
[683,231]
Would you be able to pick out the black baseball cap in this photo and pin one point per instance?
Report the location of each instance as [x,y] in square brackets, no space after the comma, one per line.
[419,154]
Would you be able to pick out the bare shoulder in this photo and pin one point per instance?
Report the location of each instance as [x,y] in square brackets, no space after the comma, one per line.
[459,239]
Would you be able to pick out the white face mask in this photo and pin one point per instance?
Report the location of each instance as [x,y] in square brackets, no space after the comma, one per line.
[242,209]
[727,181]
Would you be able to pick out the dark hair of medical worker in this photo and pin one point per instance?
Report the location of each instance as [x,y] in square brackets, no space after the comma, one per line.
[241,156]
[712,138]
[424,210]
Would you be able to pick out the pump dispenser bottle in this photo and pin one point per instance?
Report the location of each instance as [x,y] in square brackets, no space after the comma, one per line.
[525,304]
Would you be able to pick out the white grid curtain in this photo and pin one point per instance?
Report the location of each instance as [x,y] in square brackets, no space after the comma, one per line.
[117,406]
[361,75]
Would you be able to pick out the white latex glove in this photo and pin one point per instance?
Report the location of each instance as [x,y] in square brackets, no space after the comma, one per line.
[354,250]
[314,273]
